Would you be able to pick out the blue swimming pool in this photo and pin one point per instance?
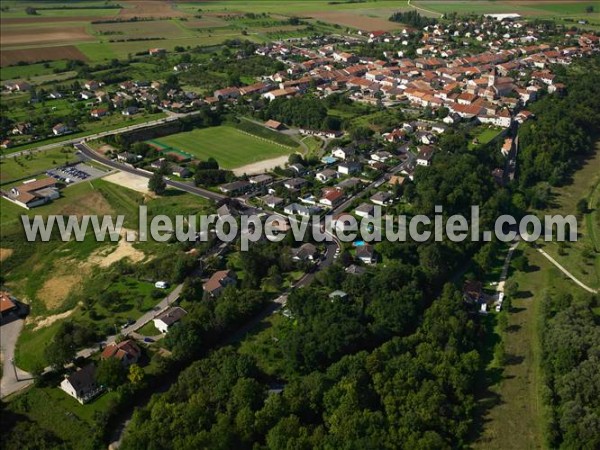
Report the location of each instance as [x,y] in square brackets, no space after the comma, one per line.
[358,243]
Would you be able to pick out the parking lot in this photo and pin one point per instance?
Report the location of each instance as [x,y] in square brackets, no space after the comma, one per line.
[76,173]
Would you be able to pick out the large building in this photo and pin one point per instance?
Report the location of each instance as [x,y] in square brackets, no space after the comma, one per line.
[33,193]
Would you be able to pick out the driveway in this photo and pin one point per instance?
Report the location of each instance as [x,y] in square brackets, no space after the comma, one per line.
[9,333]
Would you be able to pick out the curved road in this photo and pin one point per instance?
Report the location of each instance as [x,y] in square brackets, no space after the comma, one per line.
[91,154]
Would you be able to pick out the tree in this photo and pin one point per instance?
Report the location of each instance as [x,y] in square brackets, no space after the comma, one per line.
[136,374]
[157,183]
[582,206]
[110,373]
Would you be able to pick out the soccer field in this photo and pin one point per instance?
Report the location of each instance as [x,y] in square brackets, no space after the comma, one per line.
[230,147]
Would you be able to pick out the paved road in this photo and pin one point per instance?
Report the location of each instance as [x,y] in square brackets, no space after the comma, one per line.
[91,154]
[9,332]
[171,117]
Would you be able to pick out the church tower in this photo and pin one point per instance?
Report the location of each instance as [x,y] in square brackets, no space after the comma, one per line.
[492,77]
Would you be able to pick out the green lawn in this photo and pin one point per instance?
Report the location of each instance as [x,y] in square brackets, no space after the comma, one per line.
[54,410]
[229,146]
[585,185]
[512,410]
[16,168]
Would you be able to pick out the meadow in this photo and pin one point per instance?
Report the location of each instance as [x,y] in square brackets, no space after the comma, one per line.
[229,146]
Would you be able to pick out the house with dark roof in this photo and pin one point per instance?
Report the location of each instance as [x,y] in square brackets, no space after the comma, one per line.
[81,385]
[366,254]
[168,318]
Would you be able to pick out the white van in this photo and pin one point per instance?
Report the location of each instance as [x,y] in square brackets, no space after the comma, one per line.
[161,285]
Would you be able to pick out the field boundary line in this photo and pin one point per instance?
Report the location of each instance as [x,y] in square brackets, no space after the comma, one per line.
[264,139]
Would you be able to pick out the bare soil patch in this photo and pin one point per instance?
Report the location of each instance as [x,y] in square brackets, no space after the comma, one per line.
[42,36]
[149,8]
[31,55]
[56,289]
[107,256]
[5,253]
[49,320]
[261,166]
[130,181]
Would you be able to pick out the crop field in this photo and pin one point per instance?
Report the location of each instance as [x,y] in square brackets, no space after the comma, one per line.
[535,8]
[10,57]
[230,147]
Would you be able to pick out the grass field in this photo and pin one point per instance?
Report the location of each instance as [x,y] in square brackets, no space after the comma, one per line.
[54,410]
[30,165]
[585,185]
[230,147]
[514,405]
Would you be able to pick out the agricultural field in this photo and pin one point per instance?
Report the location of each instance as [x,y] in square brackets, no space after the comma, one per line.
[531,8]
[229,146]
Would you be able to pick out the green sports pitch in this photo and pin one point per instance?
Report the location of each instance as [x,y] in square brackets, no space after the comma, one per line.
[231,147]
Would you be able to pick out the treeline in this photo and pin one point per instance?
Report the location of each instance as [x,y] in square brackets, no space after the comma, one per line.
[413,392]
[571,363]
[412,18]
[565,129]
[304,111]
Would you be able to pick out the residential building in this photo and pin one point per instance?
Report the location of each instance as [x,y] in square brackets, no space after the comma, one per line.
[164,321]
[81,385]
[219,281]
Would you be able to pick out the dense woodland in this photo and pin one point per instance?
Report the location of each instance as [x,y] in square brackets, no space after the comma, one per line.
[571,363]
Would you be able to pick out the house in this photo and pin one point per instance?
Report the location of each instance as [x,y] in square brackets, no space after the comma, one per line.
[219,281]
[168,318]
[98,113]
[366,254]
[261,180]
[326,175]
[81,385]
[381,156]
[294,183]
[343,153]
[298,168]
[22,128]
[332,198]
[236,187]
[424,156]
[353,269]
[300,210]
[92,85]
[274,125]
[227,93]
[157,51]
[305,252]
[337,294]
[59,129]
[130,111]
[180,171]
[506,146]
[381,198]
[349,168]
[126,351]
[364,210]
[127,157]
[19,86]
[7,304]
[34,193]
[271,201]
[472,291]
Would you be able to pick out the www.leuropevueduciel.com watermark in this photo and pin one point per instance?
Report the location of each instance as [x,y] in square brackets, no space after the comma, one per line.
[344,228]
